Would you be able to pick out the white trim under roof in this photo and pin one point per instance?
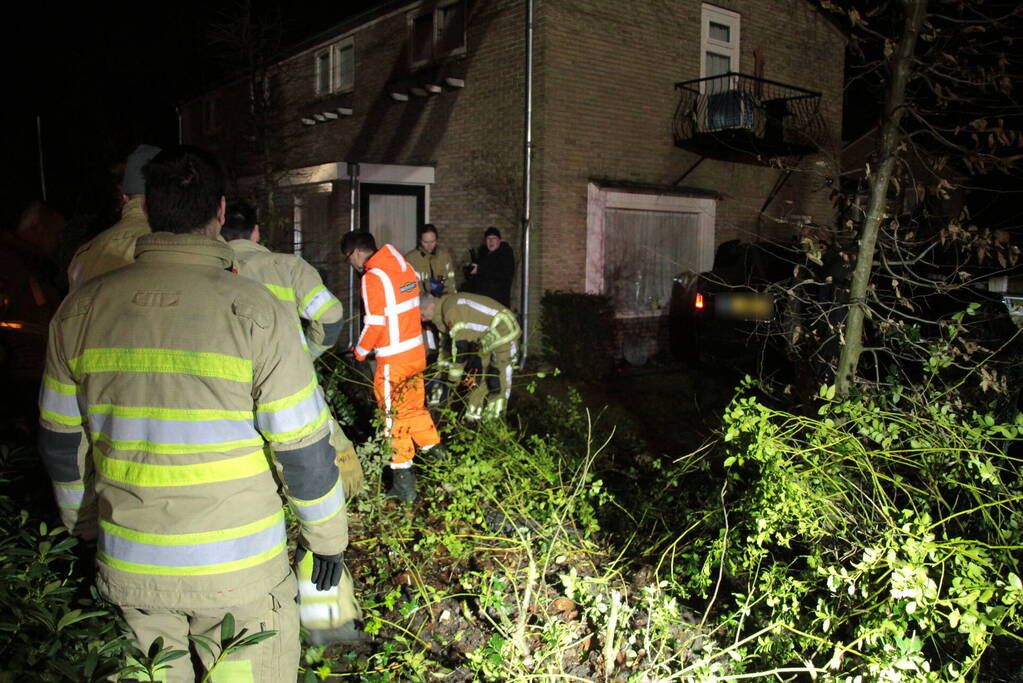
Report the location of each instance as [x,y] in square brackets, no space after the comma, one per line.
[392,174]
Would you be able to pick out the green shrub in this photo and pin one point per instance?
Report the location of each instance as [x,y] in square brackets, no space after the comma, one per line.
[577,333]
[879,540]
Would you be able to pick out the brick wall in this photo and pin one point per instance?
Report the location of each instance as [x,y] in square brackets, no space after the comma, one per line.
[604,74]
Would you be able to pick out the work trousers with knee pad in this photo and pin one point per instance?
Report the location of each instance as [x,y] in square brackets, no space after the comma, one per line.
[274,659]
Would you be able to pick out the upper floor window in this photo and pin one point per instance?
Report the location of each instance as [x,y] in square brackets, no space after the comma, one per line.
[437,34]
[719,46]
[335,68]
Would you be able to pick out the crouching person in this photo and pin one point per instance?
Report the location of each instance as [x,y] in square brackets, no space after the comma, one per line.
[163,381]
[475,324]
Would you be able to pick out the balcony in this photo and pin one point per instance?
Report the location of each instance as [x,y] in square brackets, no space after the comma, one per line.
[744,118]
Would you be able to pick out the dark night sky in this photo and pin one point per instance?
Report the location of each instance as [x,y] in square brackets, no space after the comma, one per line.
[104,76]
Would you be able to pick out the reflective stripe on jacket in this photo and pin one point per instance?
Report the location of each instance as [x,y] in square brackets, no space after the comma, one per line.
[111,249]
[175,372]
[390,297]
[292,280]
[471,318]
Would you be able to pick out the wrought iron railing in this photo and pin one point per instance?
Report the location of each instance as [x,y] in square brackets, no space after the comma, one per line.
[742,114]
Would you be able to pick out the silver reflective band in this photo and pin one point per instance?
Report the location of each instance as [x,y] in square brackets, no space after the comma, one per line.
[391,349]
[312,308]
[190,555]
[61,404]
[169,432]
[68,496]
[486,310]
[292,418]
[323,509]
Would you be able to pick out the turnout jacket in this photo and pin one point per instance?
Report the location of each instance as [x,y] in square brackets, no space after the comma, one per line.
[436,266]
[111,249]
[163,381]
[292,280]
[390,299]
[468,319]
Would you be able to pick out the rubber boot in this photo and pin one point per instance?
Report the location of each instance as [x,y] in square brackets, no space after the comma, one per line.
[404,486]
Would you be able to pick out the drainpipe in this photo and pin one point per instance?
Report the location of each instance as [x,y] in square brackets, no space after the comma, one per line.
[42,161]
[353,180]
[177,110]
[527,174]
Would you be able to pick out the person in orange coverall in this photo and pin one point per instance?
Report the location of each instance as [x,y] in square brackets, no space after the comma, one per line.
[393,330]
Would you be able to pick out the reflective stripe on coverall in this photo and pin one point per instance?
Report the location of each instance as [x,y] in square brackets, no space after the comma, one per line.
[392,328]
[477,318]
[163,381]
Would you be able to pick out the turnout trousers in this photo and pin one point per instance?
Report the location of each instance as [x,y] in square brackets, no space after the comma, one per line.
[274,659]
[401,397]
[489,398]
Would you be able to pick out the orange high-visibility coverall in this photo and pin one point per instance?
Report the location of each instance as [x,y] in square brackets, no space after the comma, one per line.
[392,328]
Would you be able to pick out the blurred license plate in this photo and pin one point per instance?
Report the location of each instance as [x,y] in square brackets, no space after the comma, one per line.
[744,306]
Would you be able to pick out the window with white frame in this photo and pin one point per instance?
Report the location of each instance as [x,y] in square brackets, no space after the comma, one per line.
[437,34]
[719,46]
[638,242]
[335,68]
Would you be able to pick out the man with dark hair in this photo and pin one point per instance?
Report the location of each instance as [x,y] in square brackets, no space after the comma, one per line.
[164,379]
[493,268]
[115,247]
[331,615]
[392,329]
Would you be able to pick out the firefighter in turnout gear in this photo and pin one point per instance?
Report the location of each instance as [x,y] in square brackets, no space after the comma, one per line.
[433,264]
[164,380]
[115,247]
[436,271]
[332,615]
[465,321]
[392,329]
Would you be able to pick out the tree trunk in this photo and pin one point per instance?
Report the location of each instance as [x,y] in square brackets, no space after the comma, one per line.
[891,136]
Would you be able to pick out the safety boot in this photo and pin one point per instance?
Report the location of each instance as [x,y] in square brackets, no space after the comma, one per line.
[403,488]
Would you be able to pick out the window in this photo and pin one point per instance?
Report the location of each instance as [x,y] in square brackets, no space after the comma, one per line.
[335,68]
[437,34]
[637,243]
[719,47]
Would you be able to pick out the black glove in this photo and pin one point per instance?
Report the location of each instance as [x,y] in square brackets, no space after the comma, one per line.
[327,570]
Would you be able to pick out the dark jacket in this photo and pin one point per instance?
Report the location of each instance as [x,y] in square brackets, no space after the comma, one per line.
[494,272]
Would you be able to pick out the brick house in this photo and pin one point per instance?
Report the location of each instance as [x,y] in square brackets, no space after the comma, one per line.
[650,147]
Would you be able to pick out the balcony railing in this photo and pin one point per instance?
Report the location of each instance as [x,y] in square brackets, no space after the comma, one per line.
[735,116]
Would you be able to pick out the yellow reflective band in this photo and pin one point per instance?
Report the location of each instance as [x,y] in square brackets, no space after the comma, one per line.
[205,570]
[309,297]
[60,387]
[144,474]
[326,307]
[200,363]
[61,419]
[282,293]
[288,401]
[182,414]
[233,671]
[175,448]
[195,538]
